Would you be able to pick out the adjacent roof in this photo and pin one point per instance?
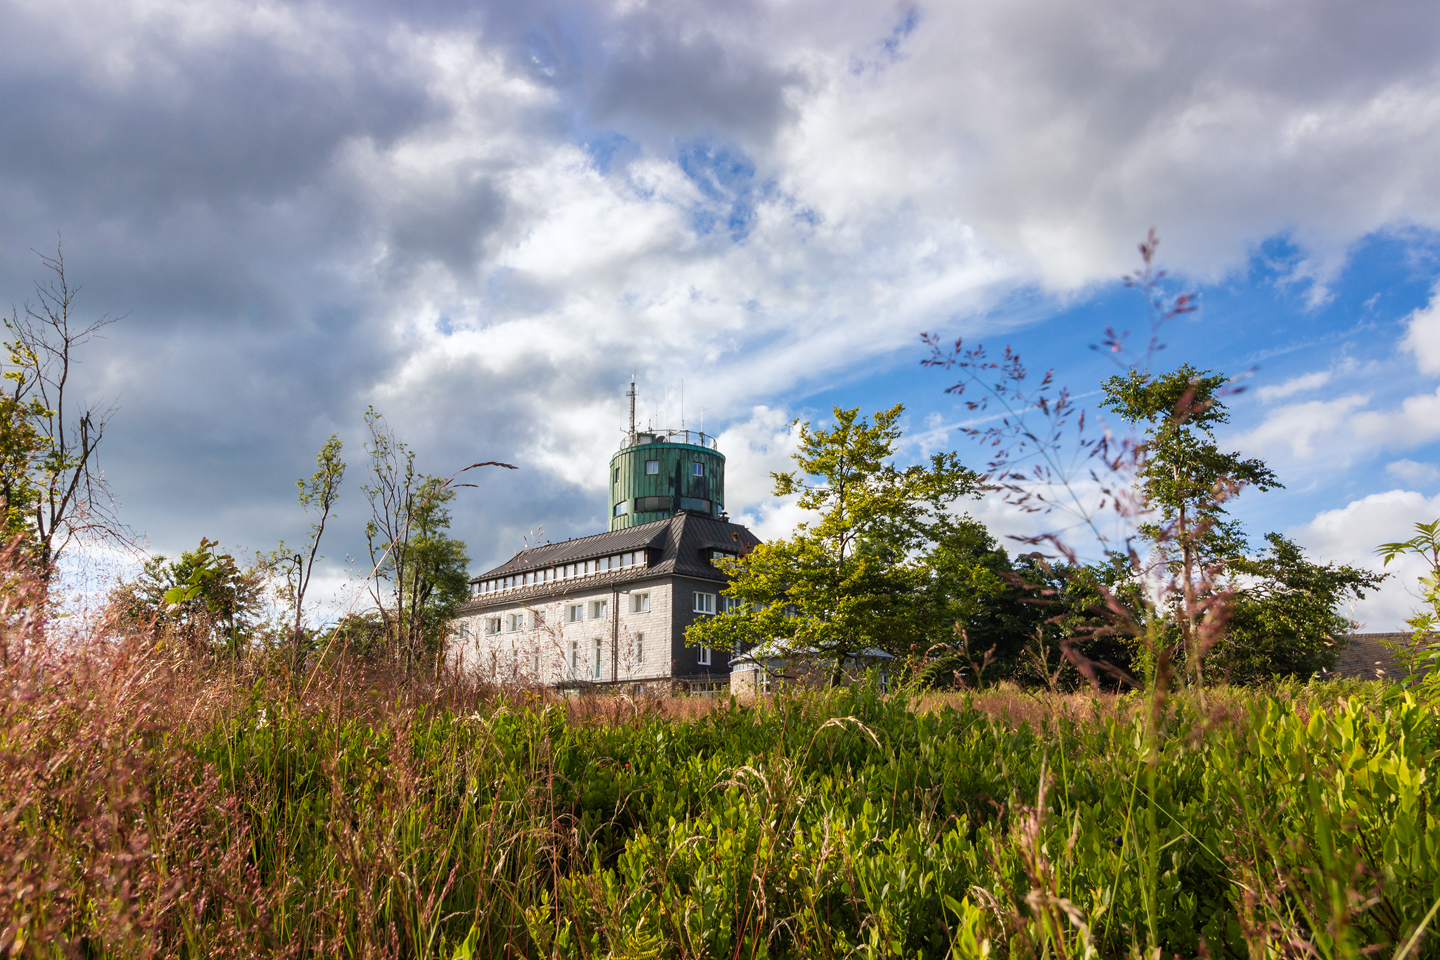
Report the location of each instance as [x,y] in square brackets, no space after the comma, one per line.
[683,542]
[1370,655]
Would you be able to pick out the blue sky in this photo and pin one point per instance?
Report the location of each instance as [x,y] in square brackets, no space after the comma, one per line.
[482,218]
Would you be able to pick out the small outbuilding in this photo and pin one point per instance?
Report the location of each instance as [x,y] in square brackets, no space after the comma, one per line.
[768,666]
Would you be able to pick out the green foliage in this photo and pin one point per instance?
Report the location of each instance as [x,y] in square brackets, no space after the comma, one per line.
[419,570]
[1284,615]
[838,825]
[1182,471]
[849,580]
[318,494]
[437,580]
[204,599]
[1424,656]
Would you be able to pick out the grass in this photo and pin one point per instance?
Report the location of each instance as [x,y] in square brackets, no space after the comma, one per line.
[155,807]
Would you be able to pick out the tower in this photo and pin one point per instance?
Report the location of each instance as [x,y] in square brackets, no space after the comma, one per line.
[658,473]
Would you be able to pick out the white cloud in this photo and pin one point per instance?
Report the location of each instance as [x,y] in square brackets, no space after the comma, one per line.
[1300,384]
[1350,535]
[1422,337]
[1412,472]
[1416,422]
[1294,428]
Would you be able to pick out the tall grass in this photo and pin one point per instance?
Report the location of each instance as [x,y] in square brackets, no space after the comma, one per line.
[153,805]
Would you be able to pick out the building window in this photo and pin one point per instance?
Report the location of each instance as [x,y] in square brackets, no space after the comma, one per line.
[492,625]
[595,673]
[652,504]
[465,630]
[575,612]
[639,648]
[617,474]
[694,505]
[734,605]
[515,621]
[599,609]
[574,658]
[622,508]
[639,603]
[704,603]
[704,656]
[652,467]
[538,619]
[535,657]
[697,469]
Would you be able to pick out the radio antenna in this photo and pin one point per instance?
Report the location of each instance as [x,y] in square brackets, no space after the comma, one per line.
[631,395]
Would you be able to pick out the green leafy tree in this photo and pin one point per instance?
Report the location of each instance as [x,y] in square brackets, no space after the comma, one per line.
[436,569]
[974,607]
[1182,472]
[319,495]
[419,570]
[204,600]
[1186,479]
[847,581]
[1284,614]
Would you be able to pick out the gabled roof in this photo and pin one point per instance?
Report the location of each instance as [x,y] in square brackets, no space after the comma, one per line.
[641,537]
[683,542]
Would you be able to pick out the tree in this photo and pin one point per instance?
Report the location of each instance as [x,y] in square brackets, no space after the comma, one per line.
[437,580]
[1283,615]
[49,444]
[972,607]
[203,599]
[418,570]
[319,493]
[848,581]
[1184,477]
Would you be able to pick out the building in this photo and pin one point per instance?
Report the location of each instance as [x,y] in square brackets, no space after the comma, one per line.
[766,668]
[611,609]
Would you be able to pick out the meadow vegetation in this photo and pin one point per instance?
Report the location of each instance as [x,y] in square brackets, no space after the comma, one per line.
[159,804]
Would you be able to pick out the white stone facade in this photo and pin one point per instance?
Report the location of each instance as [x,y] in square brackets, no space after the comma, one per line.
[610,609]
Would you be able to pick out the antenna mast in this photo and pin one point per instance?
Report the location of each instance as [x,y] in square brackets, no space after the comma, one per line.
[631,395]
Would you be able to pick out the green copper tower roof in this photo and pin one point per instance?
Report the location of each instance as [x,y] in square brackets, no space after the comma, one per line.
[657,474]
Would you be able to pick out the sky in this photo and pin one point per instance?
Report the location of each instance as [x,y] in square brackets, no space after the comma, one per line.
[483,219]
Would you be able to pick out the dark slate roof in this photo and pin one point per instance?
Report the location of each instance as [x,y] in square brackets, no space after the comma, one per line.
[1366,655]
[679,539]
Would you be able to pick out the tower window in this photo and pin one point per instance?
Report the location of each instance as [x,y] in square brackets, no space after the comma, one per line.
[697,469]
[622,508]
[652,504]
[652,467]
